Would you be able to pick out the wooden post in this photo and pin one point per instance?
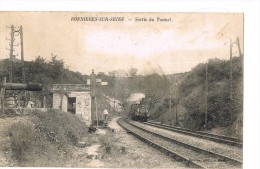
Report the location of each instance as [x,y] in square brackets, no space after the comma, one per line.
[22,53]
[44,99]
[44,102]
[62,91]
[11,56]
[170,104]
[3,96]
[96,110]
[206,108]
[239,49]
[93,95]
[21,41]
[176,114]
[231,81]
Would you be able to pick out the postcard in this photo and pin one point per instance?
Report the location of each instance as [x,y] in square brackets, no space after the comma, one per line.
[121,89]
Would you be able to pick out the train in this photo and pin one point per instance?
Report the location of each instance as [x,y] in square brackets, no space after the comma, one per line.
[139,111]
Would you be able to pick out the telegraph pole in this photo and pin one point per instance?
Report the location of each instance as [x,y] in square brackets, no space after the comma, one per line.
[11,50]
[240,117]
[22,52]
[231,81]
[176,114]
[11,55]
[114,109]
[239,49]
[114,105]
[21,41]
[170,102]
[93,95]
[206,108]
[62,91]
[231,74]
[96,110]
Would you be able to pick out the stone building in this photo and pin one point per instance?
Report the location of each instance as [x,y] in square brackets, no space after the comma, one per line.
[73,98]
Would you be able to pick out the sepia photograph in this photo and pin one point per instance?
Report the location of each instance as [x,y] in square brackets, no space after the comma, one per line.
[121,89]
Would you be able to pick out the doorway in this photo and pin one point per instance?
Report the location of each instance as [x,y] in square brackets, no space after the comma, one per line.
[72,104]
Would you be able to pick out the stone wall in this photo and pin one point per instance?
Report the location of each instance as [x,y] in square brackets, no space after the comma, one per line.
[57,103]
[83,103]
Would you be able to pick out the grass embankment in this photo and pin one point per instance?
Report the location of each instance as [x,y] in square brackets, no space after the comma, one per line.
[45,138]
[221,97]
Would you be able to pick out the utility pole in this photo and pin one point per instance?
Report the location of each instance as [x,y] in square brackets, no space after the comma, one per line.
[21,41]
[11,56]
[96,110]
[114,109]
[114,105]
[93,96]
[231,81]
[22,52]
[239,49]
[176,114]
[206,108]
[231,74]
[240,117]
[62,91]
[170,103]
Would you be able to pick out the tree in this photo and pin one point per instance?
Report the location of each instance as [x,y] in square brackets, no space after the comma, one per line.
[101,74]
[132,72]
[39,60]
[57,67]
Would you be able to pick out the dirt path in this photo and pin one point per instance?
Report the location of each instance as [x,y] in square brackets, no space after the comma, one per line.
[125,151]
[139,154]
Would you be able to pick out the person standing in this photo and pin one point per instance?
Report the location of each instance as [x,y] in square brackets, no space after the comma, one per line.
[105,112]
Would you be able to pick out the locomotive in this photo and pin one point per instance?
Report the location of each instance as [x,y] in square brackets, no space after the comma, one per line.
[139,111]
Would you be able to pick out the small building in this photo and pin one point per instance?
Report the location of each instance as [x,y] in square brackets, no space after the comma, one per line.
[73,98]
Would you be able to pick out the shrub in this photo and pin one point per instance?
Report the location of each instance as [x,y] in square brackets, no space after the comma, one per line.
[45,138]
[22,137]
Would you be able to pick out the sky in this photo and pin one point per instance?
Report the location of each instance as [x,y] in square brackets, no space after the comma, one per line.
[150,46]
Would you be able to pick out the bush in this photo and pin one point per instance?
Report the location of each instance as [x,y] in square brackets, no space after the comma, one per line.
[64,127]
[22,137]
[30,149]
[45,139]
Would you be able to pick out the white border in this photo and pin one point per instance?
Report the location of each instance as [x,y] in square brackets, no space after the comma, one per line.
[250,8]
[130,5]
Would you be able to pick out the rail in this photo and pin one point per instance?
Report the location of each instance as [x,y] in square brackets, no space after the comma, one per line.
[218,157]
[213,137]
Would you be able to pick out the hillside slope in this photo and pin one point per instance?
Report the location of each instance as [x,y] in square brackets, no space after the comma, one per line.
[224,109]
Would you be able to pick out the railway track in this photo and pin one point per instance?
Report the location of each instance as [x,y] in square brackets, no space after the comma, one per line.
[217,138]
[192,156]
